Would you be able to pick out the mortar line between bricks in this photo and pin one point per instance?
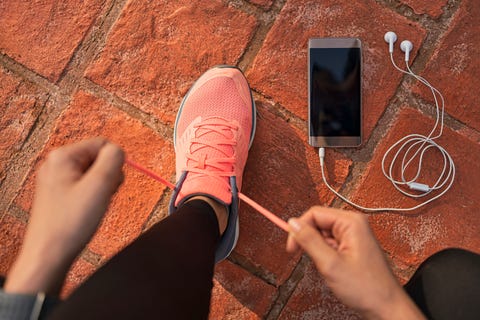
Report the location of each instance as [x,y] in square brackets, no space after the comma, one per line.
[165,131]
[363,155]
[255,44]
[419,62]
[18,213]
[36,123]
[91,257]
[427,108]
[436,29]
[360,156]
[280,111]
[354,174]
[245,6]
[30,135]
[424,18]
[91,44]
[286,289]
[27,74]
[28,153]
[162,203]
[258,272]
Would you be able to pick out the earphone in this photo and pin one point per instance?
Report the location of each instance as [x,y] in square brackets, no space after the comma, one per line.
[406,47]
[413,146]
[390,38]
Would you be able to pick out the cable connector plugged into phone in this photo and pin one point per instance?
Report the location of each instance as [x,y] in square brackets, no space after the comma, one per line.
[321,154]
[409,151]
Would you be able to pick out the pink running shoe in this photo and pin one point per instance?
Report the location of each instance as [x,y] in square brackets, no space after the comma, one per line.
[214,129]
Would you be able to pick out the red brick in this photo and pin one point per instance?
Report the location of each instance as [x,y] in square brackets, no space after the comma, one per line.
[312,299]
[266,4]
[12,232]
[157,49]
[224,305]
[88,116]
[472,134]
[432,8]
[454,67]
[239,295]
[77,274]
[283,175]
[451,221]
[21,104]
[280,68]
[44,35]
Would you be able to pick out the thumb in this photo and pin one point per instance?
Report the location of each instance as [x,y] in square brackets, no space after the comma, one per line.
[312,242]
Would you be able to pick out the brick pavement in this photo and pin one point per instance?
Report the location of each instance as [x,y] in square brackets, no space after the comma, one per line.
[75,69]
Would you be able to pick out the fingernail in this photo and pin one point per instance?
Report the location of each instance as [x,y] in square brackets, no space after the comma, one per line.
[294,224]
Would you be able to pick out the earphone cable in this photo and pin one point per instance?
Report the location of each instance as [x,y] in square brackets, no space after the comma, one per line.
[417,144]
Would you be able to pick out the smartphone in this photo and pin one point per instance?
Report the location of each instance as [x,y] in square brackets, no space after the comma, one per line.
[334,92]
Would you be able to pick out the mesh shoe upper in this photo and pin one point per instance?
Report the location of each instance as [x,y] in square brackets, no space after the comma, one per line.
[213,133]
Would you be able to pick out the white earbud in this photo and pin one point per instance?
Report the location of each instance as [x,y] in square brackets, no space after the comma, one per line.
[406,47]
[390,38]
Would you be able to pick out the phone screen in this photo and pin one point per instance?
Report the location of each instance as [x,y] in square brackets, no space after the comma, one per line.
[335,94]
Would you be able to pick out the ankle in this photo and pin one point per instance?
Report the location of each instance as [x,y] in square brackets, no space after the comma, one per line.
[220,211]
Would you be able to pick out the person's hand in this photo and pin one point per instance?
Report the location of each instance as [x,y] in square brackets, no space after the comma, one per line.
[345,252]
[73,191]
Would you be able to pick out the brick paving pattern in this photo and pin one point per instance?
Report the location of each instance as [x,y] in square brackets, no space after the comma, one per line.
[119,69]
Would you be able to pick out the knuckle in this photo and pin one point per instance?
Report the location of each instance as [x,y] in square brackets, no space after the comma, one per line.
[55,157]
[115,153]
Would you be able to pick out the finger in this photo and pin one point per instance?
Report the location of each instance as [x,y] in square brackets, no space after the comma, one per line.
[76,157]
[332,243]
[69,162]
[323,217]
[105,175]
[82,154]
[292,245]
[310,218]
[338,225]
[310,240]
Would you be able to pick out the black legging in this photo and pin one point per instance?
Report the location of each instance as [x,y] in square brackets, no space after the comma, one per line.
[167,272]
[447,285]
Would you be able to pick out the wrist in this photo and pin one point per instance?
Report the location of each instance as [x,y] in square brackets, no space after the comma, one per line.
[37,270]
[399,306]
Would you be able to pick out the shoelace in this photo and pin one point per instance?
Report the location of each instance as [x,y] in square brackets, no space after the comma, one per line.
[269,215]
[223,133]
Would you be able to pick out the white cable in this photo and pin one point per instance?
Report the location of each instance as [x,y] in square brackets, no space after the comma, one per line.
[417,144]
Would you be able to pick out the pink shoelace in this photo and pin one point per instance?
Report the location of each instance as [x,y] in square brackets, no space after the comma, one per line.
[269,215]
[222,141]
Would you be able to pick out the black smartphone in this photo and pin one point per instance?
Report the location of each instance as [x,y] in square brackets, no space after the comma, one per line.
[334,92]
